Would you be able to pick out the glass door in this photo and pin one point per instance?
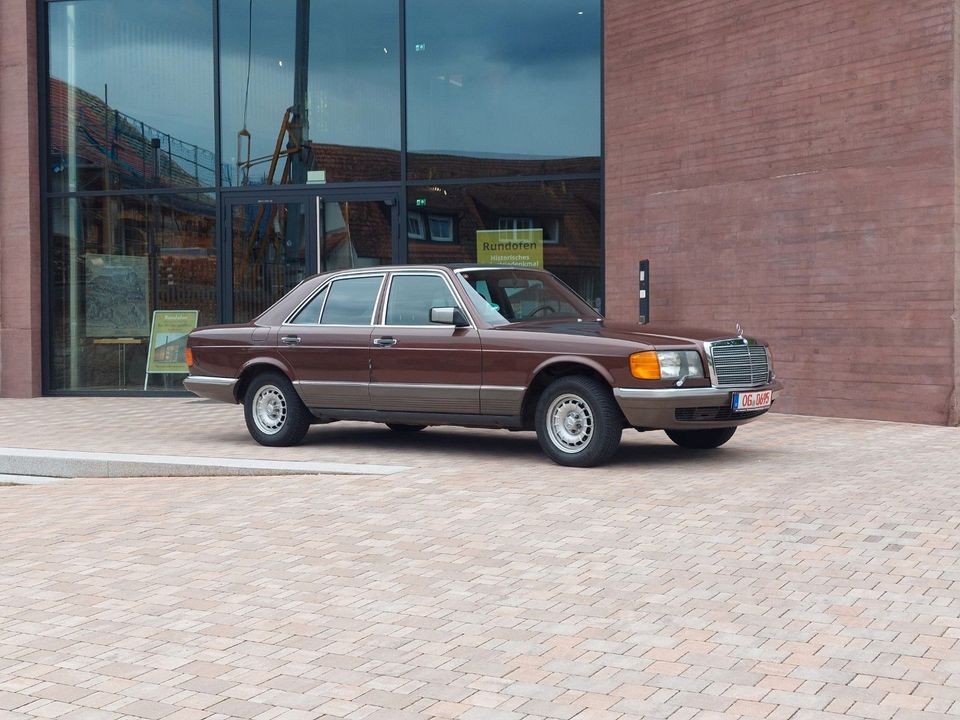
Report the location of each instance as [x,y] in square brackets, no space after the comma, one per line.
[354,232]
[269,254]
[275,242]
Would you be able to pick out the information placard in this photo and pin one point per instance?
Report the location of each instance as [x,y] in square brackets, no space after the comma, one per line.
[520,248]
[168,340]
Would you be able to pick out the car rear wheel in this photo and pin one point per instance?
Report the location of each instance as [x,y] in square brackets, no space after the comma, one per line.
[578,422]
[401,427]
[701,439]
[275,414]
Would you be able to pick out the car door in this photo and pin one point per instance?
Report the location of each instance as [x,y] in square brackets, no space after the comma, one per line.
[417,365]
[327,342]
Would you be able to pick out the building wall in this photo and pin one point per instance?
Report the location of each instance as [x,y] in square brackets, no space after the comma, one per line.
[790,166]
[19,202]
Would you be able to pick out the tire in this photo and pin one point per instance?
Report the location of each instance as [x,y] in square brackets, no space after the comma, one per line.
[275,414]
[578,422]
[701,439]
[400,427]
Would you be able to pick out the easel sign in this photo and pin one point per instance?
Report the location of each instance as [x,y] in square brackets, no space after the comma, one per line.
[166,353]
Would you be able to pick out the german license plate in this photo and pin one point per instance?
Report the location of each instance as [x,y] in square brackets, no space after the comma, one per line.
[744,401]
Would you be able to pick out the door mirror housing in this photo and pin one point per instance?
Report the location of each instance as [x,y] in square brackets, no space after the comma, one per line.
[448,316]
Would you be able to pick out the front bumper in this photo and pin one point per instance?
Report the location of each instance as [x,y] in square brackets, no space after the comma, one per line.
[657,409]
[215,388]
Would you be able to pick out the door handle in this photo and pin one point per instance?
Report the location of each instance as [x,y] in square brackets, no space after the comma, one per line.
[385,342]
[290,339]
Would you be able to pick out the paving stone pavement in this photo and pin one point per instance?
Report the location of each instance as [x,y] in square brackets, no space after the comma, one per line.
[810,569]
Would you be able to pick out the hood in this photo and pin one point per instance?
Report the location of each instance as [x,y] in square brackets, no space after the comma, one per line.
[646,334]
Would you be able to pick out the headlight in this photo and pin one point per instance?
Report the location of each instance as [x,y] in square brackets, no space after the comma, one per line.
[680,363]
[666,364]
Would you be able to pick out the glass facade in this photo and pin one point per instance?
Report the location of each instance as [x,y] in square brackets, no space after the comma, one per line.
[112,262]
[342,92]
[206,155]
[128,96]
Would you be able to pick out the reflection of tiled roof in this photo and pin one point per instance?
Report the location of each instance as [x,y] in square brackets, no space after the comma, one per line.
[344,163]
[107,138]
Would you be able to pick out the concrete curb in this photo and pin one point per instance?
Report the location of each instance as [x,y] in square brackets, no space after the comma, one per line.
[78,464]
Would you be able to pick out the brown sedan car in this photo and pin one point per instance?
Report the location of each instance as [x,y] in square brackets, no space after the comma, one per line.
[497,347]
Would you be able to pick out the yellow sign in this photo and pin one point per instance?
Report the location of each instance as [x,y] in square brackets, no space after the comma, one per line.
[168,340]
[521,248]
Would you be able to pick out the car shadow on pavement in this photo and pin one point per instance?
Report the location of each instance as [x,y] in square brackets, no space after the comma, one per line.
[512,446]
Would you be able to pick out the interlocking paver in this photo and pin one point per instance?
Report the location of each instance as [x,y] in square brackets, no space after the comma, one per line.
[808,570]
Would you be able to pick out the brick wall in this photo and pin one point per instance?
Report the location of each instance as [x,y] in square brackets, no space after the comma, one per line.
[790,166]
[19,202]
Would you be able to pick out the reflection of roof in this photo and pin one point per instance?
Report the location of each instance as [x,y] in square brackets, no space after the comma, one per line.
[345,163]
[106,137]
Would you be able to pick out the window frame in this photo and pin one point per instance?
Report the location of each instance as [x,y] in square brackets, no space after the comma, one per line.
[460,304]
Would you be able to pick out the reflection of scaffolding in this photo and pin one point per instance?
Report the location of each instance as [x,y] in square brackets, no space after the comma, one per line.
[256,248]
[290,127]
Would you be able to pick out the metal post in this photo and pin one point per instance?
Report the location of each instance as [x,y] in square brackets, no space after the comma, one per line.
[73,208]
[300,133]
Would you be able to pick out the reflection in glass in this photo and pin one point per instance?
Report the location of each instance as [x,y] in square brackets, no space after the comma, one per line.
[566,214]
[352,301]
[310,85]
[130,94]
[503,88]
[113,262]
[269,254]
[355,233]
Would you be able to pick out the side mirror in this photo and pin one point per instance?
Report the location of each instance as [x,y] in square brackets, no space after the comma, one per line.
[448,316]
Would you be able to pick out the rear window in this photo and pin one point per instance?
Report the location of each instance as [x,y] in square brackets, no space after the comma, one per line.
[351,301]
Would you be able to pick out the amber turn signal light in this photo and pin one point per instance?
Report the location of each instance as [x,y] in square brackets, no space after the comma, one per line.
[188,356]
[645,365]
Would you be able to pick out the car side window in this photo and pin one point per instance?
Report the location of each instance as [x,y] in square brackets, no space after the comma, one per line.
[351,301]
[412,296]
[310,313]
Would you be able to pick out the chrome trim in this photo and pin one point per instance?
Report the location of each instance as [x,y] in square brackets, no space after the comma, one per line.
[710,393]
[210,380]
[327,383]
[328,283]
[221,389]
[734,342]
[302,305]
[417,386]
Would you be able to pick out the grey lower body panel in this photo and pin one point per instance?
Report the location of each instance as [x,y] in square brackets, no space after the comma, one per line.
[333,394]
[413,397]
[214,388]
[658,408]
[418,418]
[425,397]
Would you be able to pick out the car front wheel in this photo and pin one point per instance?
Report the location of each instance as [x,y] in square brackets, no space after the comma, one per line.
[275,414]
[578,422]
[701,439]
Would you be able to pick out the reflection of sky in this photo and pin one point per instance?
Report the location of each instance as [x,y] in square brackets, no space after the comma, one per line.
[156,59]
[504,76]
[519,77]
[353,79]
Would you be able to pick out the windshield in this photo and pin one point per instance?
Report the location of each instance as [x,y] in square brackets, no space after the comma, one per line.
[508,295]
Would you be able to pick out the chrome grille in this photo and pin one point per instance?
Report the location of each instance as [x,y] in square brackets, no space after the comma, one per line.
[738,364]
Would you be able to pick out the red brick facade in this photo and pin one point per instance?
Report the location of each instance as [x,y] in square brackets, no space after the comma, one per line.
[19,202]
[792,167]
